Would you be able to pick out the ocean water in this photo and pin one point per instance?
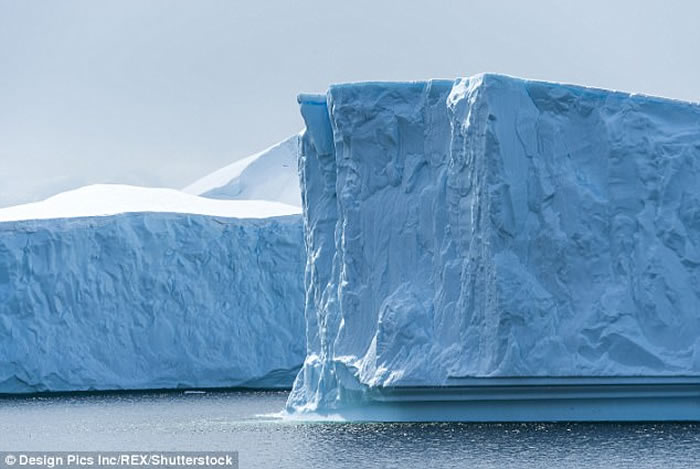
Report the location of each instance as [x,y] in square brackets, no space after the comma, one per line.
[245,422]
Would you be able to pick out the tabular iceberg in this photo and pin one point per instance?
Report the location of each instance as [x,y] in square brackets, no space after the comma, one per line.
[496,230]
[117,287]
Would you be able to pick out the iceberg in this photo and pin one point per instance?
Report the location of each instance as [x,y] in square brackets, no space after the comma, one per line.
[500,249]
[113,287]
[268,175]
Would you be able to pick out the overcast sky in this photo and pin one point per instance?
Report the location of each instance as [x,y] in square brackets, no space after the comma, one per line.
[163,92]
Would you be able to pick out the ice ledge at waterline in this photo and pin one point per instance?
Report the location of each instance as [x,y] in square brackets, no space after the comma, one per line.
[495,227]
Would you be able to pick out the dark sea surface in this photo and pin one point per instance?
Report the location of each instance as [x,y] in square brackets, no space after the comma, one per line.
[245,422]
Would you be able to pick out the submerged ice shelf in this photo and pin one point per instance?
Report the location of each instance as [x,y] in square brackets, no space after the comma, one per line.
[491,227]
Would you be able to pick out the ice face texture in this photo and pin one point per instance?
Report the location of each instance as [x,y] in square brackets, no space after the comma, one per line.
[495,227]
[149,299]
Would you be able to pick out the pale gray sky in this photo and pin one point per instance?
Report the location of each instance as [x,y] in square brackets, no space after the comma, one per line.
[161,92]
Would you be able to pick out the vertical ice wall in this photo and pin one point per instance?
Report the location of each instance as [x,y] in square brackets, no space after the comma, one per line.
[150,301]
[496,227]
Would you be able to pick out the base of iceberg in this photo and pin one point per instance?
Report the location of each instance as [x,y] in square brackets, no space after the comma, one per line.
[525,400]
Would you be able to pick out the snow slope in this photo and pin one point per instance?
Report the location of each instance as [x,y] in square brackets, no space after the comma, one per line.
[107,287]
[268,175]
[496,227]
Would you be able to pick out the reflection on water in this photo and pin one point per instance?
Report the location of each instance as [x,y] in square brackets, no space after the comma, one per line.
[236,421]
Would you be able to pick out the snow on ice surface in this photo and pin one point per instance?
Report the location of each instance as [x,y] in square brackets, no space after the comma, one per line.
[496,227]
[119,287]
[111,199]
[269,175]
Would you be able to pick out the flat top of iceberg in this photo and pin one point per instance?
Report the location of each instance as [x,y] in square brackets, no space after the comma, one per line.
[111,199]
[486,77]
[268,175]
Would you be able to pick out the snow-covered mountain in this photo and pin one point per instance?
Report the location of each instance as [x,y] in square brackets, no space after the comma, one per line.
[122,287]
[268,175]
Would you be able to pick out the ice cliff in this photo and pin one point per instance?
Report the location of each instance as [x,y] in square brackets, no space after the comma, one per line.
[496,227]
[268,175]
[118,287]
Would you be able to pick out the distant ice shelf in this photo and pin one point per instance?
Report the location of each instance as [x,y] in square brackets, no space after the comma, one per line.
[491,228]
[114,287]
